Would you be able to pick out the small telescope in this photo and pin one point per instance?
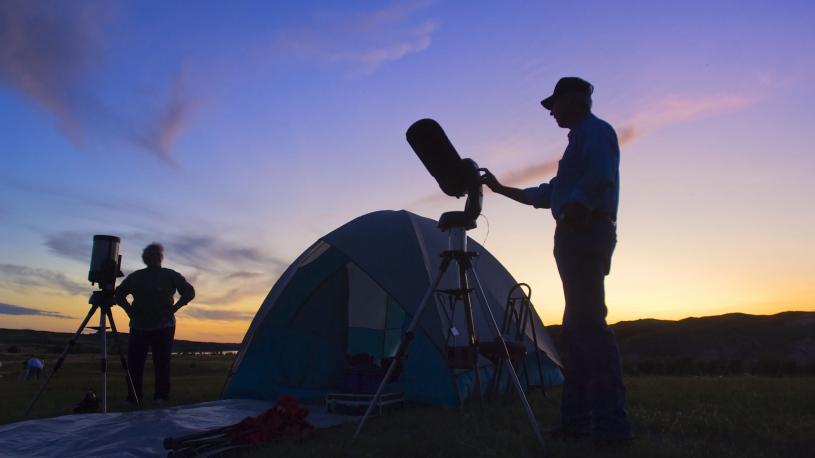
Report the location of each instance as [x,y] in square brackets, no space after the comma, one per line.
[457,177]
[106,261]
[105,268]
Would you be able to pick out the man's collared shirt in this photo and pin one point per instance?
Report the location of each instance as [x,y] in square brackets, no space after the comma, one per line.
[588,173]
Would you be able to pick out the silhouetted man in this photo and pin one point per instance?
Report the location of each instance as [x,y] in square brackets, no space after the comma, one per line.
[583,197]
[152,317]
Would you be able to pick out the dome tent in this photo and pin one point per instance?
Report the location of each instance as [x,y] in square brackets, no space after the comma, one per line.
[355,291]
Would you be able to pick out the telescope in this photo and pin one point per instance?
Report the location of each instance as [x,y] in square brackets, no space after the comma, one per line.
[106,262]
[456,177]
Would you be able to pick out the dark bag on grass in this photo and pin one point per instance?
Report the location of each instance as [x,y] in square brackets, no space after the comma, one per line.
[89,404]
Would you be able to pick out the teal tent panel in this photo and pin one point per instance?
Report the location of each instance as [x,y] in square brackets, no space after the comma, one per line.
[425,377]
[396,315]
[305,281]
[324,314]
[392,339]
[384,245]
[300,345]
[364,340]
[289,363]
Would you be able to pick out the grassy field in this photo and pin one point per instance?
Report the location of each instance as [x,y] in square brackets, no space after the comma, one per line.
[194,379]
[672,416]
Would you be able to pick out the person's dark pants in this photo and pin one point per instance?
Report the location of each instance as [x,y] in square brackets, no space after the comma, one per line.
[160,342]
[33,372]
[593,391]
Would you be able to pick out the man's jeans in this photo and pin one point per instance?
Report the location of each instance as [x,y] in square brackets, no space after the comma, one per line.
[160,341]
[593,392]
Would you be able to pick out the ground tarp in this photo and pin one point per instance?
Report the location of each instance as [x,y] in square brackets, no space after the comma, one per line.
[133,434]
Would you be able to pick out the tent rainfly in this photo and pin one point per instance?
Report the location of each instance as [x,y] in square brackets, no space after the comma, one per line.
[355,291]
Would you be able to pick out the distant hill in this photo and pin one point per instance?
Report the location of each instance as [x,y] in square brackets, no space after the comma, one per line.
[731,343]
[29,341]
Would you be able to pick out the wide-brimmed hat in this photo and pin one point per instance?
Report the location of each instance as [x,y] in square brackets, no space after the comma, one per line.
[567,85]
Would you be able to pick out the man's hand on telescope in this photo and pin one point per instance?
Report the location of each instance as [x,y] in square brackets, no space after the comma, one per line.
[489,179]
[513,193]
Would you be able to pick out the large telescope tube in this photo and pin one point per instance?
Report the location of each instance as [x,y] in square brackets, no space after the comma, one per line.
[457,177]
[105,261]
[438,155]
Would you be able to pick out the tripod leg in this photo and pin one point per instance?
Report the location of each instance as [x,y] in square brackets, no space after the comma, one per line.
[406,338]
[537,351]
[103,360]
[468,312]
[61,359]
[519,336]
[131,389]
[533,423]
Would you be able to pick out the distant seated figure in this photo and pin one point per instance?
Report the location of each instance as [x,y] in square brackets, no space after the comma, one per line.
[152,317]
[33,367]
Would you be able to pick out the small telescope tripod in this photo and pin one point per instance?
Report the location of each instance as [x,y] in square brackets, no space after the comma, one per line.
[102,300]
[457,224]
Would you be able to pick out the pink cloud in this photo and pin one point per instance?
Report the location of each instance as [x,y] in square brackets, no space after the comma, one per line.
[676,110]
[170,122]
[530,173]
[47,49]
[50,51]
[666,112]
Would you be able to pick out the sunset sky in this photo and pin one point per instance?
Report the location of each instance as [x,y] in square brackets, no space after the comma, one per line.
[238,133]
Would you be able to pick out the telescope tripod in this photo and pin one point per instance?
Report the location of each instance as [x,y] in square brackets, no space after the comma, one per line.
[458,252]
[102,300]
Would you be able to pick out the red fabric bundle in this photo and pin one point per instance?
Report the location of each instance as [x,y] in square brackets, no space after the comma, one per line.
[286,419]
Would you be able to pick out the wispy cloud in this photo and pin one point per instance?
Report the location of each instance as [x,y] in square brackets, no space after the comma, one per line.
[206,252]
[51,52]
[8,309]
[664,113]
[675,110]
[211,253]
[71,202]
[47,50]
[255,287]
[23,277]
[364,40]
[214,314]
[417,39]
[70,245]
[243,275]
[170,122]
[530,173]
[222,272]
